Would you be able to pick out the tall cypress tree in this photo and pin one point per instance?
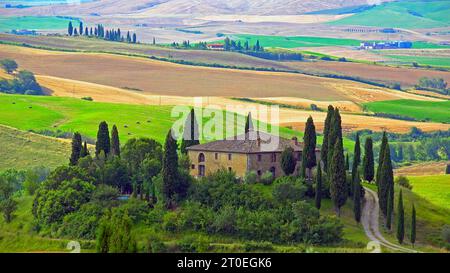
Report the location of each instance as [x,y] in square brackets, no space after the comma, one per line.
[309,147]
[81,28]
[347,162]
[357,197]
[190,133]
[170,170]
[103,141]
[134,38]
[356,157]
[386,182]
[248,123]
[318,197]
[84,150]
[70,29]
[115,143]
[400,219]
[390,209]
[338,185]
[326,132]
[76,149]
[368,161]
[335,135]
[381,157]
[413,226]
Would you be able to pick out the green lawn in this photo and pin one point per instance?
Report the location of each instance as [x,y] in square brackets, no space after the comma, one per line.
[295,41]
[409,14]
[33,23]
[435,189]
[420,110]
[422,60]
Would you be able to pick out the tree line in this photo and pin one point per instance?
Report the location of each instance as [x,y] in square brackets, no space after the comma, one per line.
[99,31]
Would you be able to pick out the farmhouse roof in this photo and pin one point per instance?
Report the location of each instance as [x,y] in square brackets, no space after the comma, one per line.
[252,142]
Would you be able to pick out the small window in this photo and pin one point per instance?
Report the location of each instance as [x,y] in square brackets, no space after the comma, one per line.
[201,157]
[230,169]
[259,172]
[273,171]
[201,170]
[229,157]
[259,158]
[193,166]
[216,156]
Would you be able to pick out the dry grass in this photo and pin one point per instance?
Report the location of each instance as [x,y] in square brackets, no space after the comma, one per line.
[422,169]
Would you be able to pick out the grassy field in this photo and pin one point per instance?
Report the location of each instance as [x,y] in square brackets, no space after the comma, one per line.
[420,110]
[294,41]
[33,23]
[435,189]
[25,150]
[423,169]
[422,60]
[405,14]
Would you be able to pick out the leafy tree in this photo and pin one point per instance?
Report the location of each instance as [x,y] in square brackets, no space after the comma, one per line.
[170,170]
[103,140]
[318,197]
[8,206]
[115,143]
[357,198]
[400,219]
[368,161]
[190,133]
[309,148]
[413,226]
[288,161]
[76,149]
[9,65]
[326,132]
[70,29]
[289,190]
[338,187]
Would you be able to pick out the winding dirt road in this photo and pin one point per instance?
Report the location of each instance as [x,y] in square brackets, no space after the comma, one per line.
[370,220]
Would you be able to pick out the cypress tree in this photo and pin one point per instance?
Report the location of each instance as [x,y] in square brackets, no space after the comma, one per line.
[309,148]
[70,29]
[390,208]
[248,123]
[76,149]
[400,219]
[86,31]
[381,157]
[84,150]
[170,170]
[75,32]
[190,133]
[154,41]
[326,132]
[338,185]
[413,226]
[347,162]
[288,161]
[81,28]
[357,198]
[335,135]
[318,197]
[134,38]
[356,157]
[115,143]
[386,181]
[103,141]
[368,161]
[128,37]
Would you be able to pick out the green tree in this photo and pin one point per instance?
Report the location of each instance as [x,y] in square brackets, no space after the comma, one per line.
[248,123]
[134,38]
[413,226]
[357,198]
[8,206]
[338,186]
[385,181]
[390,210]
[170,170]
[309,148]
[70,29]
[190,133]
[335,135]
[384,142]
[9,65]
[84,150]
[318,197]
[115,142]
[77,146]
[288,161]
[81,28]
[368,161]
[356,157]
[400,219]
[103,141]
[347,163]
[326,133]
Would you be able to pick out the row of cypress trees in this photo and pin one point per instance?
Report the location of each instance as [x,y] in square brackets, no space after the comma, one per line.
[100,32]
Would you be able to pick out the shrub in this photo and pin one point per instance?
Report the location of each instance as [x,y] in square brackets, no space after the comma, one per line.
[194,243]
[155,245]
[258,246]
[267,178]
[446,234]
[83,223]
[225,221]
[251,177]
[170,222]
[403,181]
[288,189]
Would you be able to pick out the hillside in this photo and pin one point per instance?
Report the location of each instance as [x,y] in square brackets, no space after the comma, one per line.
[408,14]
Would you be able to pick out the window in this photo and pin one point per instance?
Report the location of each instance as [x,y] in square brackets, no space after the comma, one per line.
[272,170]
[229,156]
[259,172]
[216,156]
[201,157]
[274,157]
[230,169]
[193,166]
[201,170]
[259,158]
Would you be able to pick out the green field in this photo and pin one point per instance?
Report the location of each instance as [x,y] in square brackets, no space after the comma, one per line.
[294,41]
[420,110]
[435,189]
[405,14]
[422,60]
[32,23]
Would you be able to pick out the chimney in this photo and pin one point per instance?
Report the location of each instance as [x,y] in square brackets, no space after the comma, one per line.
[295,141]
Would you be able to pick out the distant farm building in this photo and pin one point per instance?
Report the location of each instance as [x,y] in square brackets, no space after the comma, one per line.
[23,32]
[386,45]
[215,47]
